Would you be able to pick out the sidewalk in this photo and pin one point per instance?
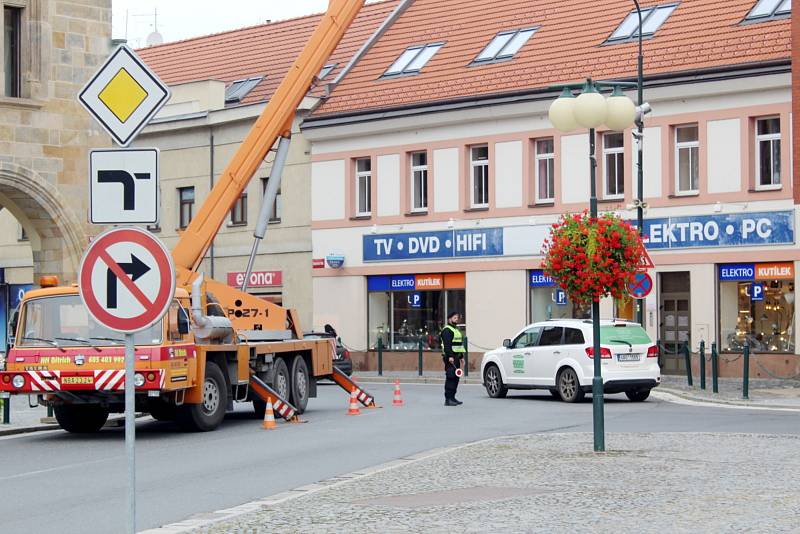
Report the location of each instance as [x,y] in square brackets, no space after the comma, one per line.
[771,393]
[23,418]
[675,482]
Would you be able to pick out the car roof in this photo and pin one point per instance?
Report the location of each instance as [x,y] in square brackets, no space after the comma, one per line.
[582,322]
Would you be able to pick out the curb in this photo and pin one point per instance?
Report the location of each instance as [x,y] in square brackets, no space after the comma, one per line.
[113,422]
[681,394]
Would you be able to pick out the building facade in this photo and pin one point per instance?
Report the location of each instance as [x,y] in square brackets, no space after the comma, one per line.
[436,176]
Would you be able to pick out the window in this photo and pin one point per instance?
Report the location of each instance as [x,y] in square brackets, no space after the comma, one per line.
[404,310]
[613,165]
[239,211]
[505,45]
[479,163]
[275,217]
[363,186]
[11,51]
[687,160]
[419,181]
[551,335]
[413,59]
[326,70]
[545,170]
[239,89]
[652,19]
[768,153]
[185,206]
[573,336]
[769,9]
[23,235]
[528,338]
[548,301]
[756,307]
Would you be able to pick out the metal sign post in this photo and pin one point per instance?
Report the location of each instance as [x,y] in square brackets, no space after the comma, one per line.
[130,431]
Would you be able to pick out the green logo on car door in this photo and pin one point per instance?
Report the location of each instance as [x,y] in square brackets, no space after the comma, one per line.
[519,364]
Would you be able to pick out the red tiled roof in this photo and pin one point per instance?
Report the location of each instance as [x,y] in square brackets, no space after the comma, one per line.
[568,47]
[264,50]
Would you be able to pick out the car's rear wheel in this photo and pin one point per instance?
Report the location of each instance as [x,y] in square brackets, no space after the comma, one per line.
[569,388]
[493,382]
[81,418]
[638,396]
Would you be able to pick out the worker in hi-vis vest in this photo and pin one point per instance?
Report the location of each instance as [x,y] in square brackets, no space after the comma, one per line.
[452,354]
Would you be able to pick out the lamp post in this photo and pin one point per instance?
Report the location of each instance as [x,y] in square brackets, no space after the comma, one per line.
[591,110]
[639,145]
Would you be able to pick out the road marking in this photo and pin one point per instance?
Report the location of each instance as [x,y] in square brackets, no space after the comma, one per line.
[675,399]
[54,469]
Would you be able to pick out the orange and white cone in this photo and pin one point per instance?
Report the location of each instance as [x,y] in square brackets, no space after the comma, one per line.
[353,409]
[398,399]
[269,417]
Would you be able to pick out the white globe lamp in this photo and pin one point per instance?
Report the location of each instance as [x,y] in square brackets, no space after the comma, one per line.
[590,107]
[621,111]
[561,112]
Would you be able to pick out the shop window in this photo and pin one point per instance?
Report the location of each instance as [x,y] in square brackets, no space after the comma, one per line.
[11,50]
[756,307]
[549,302]
[625,308]
[185,206]
[545,170]
[479,167]
[613,165]
[768,153]
[405,310]
[687,160]
[363,187]
[419,181]
[239,211]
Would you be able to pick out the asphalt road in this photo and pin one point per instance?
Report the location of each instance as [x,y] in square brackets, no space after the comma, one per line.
[58,482]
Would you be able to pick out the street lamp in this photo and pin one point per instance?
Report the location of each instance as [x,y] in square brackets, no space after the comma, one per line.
[591,110]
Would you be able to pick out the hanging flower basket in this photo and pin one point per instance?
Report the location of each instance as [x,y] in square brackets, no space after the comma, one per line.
[592,257]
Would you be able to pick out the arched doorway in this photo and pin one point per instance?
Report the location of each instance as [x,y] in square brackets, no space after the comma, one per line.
[57,238]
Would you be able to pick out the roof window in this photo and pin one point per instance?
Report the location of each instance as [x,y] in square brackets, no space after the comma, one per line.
[652,19]
[326,70]
[769,9]
[505,45]
[413,59]
[236,91]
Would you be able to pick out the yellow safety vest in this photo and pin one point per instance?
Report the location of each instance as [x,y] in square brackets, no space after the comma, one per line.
[458,342]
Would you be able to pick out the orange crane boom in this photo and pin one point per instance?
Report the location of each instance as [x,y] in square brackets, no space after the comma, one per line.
[275,120]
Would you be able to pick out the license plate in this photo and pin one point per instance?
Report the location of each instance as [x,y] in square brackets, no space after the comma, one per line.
[77,380]
[628,357]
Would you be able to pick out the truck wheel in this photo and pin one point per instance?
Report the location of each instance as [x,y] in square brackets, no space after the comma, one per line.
[81,418]
[300,384]
[207,415]
[162,411]
[281,379]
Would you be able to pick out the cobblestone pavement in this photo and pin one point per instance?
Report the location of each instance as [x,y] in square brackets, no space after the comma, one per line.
[762,391]
[680,482]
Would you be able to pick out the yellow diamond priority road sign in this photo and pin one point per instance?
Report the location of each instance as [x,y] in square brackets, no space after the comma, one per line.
[124,95]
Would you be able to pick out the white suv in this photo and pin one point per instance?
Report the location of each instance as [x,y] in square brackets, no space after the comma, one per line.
[557,355]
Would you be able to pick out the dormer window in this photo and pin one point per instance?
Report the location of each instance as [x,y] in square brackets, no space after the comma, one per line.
[652,19]
[769,10]
[504,45]
[413,59]
[239,89]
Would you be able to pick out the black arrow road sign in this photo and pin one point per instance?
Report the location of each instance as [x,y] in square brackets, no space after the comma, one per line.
[128,186]
[136,268]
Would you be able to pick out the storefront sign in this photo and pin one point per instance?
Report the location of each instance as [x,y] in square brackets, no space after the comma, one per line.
[429,281]
[756,292]
[560,297]
[419,282]
[257,279]
[434,245]
[728,230]
[734,272]
[15,294]
[415,299]
[539,279]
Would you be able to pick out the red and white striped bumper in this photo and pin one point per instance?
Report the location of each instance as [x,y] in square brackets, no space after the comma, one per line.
[96,380]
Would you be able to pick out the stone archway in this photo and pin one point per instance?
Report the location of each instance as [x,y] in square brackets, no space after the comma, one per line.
[57,237]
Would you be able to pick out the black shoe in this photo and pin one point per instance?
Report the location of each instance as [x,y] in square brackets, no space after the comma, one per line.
[457,401]
[450,402]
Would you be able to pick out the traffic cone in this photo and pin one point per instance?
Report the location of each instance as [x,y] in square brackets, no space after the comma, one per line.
[269,417]
[398,399]
[353,409]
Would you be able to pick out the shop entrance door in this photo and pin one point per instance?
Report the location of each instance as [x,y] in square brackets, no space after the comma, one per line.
[674,319]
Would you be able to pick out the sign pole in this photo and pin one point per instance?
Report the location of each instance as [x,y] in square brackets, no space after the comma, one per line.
[130,431]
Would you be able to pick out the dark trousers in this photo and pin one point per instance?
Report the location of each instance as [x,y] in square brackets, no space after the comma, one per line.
[450,378]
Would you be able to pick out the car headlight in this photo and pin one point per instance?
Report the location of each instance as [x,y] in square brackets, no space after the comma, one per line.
[138,380]
[18,381]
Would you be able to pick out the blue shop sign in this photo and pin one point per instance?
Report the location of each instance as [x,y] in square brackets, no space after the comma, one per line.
[725,230]
[539,279]
[735,272]
[403,282]
[15,294]
[415,299]
[433,245]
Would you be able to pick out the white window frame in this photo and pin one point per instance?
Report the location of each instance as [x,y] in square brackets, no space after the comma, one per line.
[367,177]
[474,163]
[414,170]
[540,157]
[608,152]
[686,145]
[758,139]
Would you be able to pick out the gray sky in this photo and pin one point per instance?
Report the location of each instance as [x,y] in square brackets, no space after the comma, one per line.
[181,19]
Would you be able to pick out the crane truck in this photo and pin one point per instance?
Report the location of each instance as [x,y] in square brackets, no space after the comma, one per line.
[216,345]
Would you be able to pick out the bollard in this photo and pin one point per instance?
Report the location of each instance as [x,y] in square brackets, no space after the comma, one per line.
[746,374]
[380,356]
[420,357]
[714,368]
[7,411]
[466,357]
[50,411]
[702,365]
[687,355]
